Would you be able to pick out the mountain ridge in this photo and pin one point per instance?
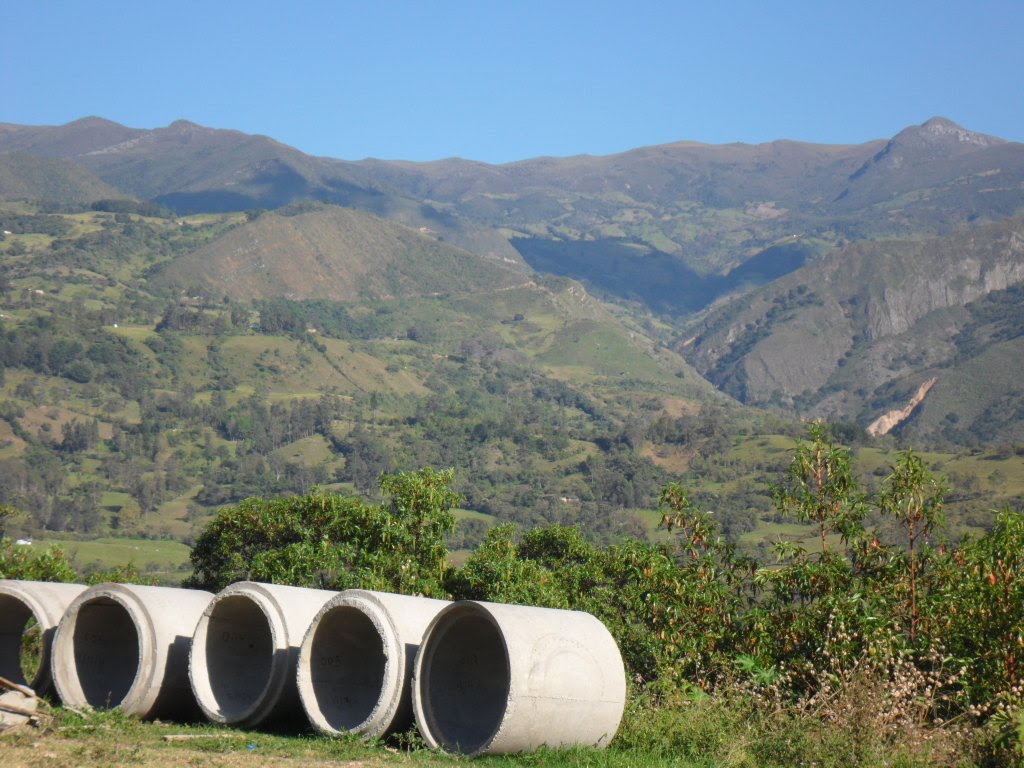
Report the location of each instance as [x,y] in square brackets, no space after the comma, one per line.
[681,231]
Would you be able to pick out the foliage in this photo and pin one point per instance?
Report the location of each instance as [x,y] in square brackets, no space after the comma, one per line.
[332,542]
[670,621]
[914,497]
[20,562]
[119,574]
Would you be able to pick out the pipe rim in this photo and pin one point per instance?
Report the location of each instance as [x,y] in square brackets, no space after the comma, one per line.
[441,626]
[10,590]
[141,693]
[202,687]
[389,697]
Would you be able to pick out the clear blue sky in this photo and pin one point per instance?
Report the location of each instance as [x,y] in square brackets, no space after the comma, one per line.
[505,81]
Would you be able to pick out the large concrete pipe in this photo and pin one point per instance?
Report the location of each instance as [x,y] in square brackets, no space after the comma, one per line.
[125,646]
[493,679]
[20,601]
[245,651]
[355,666]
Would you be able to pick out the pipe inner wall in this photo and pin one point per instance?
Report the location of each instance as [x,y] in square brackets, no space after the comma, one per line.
[14,618]
[238,643]
[106,652]
[350,669]
[464,681]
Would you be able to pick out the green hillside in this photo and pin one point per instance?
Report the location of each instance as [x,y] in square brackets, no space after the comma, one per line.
[130,407]
[568,333]
[339,254]
[26,177]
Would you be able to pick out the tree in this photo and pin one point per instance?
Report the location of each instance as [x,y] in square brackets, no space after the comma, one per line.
[22,562]
[914,496]
[329,541]
[6,513]
[821,489]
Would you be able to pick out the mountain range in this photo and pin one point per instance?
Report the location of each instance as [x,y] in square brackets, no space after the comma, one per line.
[816,279]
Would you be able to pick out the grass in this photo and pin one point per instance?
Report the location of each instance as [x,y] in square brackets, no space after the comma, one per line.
[107,739]
[706,731]
[158,558]
[309,451]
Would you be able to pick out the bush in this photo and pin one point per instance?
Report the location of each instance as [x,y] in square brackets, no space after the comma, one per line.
[328,541]
[20,562]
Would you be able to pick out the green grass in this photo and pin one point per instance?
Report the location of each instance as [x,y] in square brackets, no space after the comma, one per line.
[469,514]
[106,739]
[309,451]
[161,557]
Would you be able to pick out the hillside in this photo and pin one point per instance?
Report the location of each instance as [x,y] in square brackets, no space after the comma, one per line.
[685,209]
[128,407]
[27,177]
[555,328]
[855,333]
[340,254]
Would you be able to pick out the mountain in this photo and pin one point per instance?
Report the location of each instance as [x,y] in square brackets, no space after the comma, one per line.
[815,278]
[568,333]
[938,166]
[857,332]
[193,169]
[683,209]
[339,254]
[28,177]
[315,345]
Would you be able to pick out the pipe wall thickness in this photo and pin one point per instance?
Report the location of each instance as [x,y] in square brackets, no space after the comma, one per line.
[495,679]
[20,601]
[356,662]
[125,646]
[245,650]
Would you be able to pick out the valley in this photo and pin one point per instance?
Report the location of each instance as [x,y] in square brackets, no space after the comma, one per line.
[191,316]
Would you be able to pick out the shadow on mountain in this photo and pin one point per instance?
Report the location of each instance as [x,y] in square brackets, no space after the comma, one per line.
[634,272]
[208,201]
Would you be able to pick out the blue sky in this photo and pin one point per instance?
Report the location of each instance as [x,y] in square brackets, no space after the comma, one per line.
[505,81]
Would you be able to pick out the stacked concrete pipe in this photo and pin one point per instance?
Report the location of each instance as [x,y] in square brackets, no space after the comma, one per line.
[23,600]
[126,646]
[245,650]
[494,679]
[356,662]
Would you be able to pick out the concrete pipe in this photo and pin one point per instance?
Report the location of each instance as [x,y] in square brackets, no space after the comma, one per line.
[245,651]
[355,666]
[125,646]
[21,601]
[494,679]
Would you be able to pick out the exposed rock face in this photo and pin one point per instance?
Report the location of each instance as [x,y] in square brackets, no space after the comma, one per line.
[974,270]
[887,422]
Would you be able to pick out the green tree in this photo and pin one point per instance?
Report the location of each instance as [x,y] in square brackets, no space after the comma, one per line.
[809,592]
[914,496]
[820,488]
[420,505]
[329,541]
[21,562]
[6,513]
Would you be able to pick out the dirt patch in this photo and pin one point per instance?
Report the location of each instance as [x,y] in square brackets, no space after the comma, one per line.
[671,458]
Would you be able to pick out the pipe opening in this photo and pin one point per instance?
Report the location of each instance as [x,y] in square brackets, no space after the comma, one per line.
[465,682]
[238,656]
[106,652]
[21,641]
[348,667]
